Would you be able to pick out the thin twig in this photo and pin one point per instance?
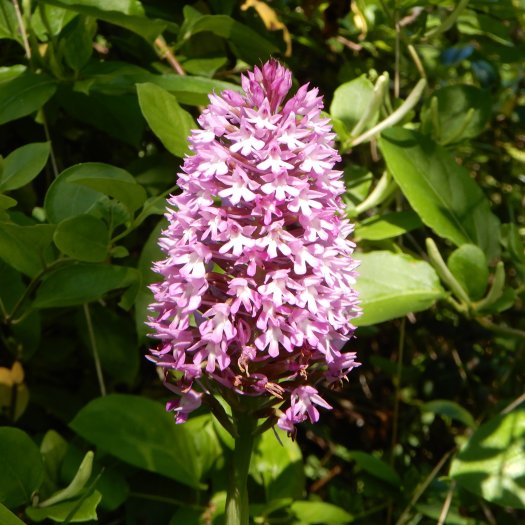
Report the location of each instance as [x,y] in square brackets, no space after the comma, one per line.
[22,27]
[517,402]
[54,164]
[446,505]
[96,357]
[165,52]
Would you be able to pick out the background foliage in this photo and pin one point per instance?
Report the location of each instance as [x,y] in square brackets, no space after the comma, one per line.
[427,98]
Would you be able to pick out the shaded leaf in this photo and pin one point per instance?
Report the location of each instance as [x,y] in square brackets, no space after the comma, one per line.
[392,285]
[24,95]
[83,237]
[444,407]
[440,191]
[23,247]
[140,432]
[124,13]
[80,283]
[279,468]
[21,466]
[23,165]
[376,467]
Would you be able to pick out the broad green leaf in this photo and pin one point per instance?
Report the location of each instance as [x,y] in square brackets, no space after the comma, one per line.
[444,407]
[6,202]
[207,444]
[65,199]
[376,467]
[393,285]
[279,468]
[469,266]
[56,18]
[80,283]
[124,13]
[8,22]
[138,431]
[351,100]
[118,78]
[53,449]
[77,41]
[23,165]
[318,512]
[387,226]
[83,237]
[9,73]
[24,95]
[166,118]
[23,247]
[77,511]
[491,464]
[440,191]
[20,465]
[247,44]
[81,189]
[457,112]
[8,518]
[112,181]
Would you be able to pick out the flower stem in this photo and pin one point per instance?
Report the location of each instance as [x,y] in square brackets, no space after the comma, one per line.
[237,500]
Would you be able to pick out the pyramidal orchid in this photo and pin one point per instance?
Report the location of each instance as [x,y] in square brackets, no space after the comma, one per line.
[257,293]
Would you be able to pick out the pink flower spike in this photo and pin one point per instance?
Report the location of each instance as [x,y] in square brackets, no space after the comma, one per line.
[257,295]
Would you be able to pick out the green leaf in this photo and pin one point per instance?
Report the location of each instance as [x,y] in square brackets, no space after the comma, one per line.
[8,22]
[76,511]
[440,191]
[387,226]
[469,266]
[320,512]
[124,13]
[392,285]
[23,247]
[81,188]
[53,450]
[112,181]
[8,518]
[65,199]
[77,41]
[140,432]
[21,466]
[491,464]
[118,78]
[247,44]
[351,100]
[118,116]
[24,95]
[443,407]
[83,237]
[278,467]
[6,202]
[166,118]
[56,17]
[461,112]
[80,283]
[23,165]
[376,467]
